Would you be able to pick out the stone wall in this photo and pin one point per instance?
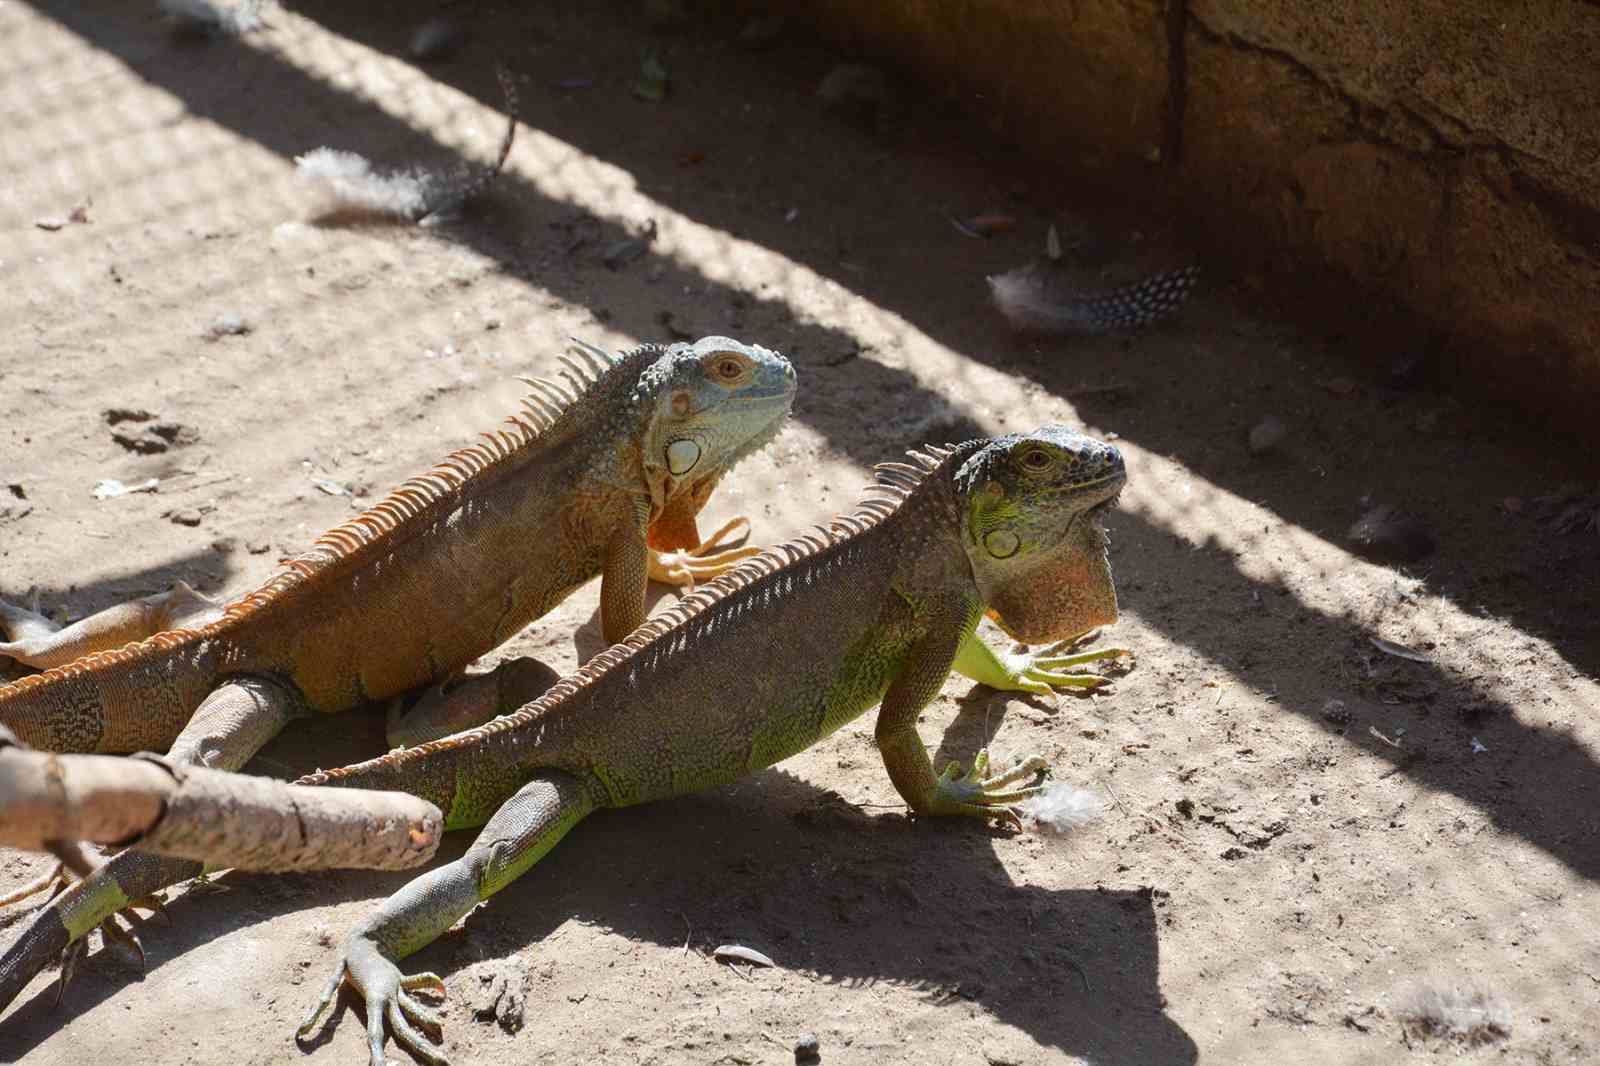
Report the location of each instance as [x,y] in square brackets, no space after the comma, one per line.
[1442,156]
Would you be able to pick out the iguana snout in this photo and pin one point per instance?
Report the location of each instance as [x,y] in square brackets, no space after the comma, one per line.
[1032,504]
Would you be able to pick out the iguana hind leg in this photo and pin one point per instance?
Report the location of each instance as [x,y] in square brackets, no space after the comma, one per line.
[468,702]
[36,641]
[239,716]
[521,833]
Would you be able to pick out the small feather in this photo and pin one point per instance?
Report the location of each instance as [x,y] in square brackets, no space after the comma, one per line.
[1035,299]
[1062,808]
[744,954]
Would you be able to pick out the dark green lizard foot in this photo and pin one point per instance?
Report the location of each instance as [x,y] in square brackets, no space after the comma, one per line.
[978,796]
[388,995]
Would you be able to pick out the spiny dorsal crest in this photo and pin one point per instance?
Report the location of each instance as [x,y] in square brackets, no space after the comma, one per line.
[582,367]
[893,485]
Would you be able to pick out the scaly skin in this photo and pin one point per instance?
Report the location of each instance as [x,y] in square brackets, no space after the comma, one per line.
[759,665]
[596,477]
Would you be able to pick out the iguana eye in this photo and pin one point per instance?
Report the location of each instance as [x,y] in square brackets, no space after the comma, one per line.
[729,369]
[1036,459]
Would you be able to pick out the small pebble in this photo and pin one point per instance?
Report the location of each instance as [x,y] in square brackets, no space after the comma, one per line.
[1390,534]
[227,325]
[186,517]
[807,1048]
[258,547]
[1267,434]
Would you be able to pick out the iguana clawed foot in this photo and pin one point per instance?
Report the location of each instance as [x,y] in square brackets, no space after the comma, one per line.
[987,797]
[121,930]
[1040,670]
[720,552]
[388,995]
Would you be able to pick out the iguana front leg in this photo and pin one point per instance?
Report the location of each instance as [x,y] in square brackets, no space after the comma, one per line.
[38,642]
[677,554]
[926,666]
[232,723]
[1038,671]
[521,833]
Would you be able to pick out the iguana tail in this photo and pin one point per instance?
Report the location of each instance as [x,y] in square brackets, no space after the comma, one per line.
[136,698]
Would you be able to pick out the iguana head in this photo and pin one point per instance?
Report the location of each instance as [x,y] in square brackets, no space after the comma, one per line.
[1032,531]
[713,402]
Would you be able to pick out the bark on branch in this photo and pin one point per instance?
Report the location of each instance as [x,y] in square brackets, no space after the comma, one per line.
[210,816]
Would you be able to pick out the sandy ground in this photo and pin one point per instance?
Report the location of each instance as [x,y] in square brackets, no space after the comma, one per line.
[1302,827]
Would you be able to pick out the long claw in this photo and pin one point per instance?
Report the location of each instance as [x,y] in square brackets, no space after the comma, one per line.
[407,1035]
[69,966]
[128,938]
[329,991]
[1056,662]
[1028,767]
[725,536]
[1051,679]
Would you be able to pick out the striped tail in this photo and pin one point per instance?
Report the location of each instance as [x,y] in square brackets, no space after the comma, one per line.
[136,698]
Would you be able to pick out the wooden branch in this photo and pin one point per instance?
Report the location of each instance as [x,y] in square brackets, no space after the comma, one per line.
[222,819]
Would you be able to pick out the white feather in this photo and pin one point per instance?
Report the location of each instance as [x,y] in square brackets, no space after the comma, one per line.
[352,184]
[1465,1011]
[1062,808]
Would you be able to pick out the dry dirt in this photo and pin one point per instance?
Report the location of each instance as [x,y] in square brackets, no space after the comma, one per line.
[1302,826]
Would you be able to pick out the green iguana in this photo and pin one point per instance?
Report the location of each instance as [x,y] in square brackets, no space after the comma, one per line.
[603,473]
[755,667]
